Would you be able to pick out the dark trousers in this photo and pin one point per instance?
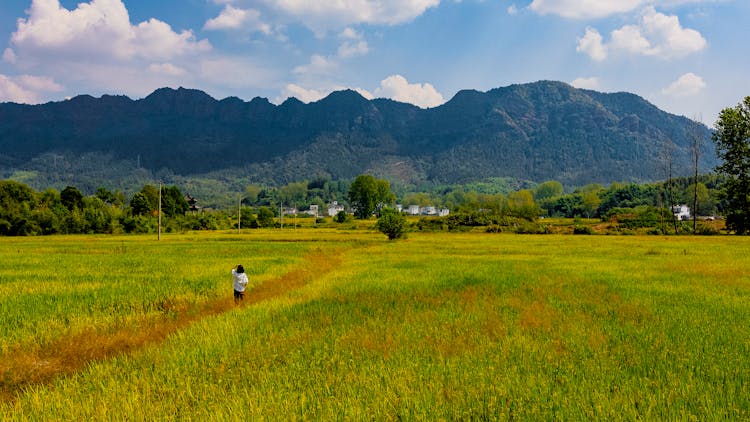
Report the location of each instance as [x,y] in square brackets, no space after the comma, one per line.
[238,295]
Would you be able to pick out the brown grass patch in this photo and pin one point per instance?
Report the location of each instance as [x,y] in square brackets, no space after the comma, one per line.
[538,316]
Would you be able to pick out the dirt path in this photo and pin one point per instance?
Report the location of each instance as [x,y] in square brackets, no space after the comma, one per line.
[21,368]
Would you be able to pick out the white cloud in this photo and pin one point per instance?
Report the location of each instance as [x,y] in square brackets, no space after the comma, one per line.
[9,55]
[586,83]
[95,48]
[311,95]
[236,18]
[303,94]
[686,85]
[584,9]
[155,39]
[670,39]
[353,45]
[26,88]
[229,18]
[365,93]
[395,87]
[167,69]
[398,88]
[235,72]
[10,91]
[350,34]
[656,34]
[351,49]
[319,65]
[99,29]
[39,83]
[323,15]
[630,40]
[591,44]
[512,9]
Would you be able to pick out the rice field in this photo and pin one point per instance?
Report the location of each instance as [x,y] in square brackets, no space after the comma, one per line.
[346,325]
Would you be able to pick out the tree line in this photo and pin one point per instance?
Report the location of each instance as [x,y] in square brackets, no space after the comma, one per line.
[24,211]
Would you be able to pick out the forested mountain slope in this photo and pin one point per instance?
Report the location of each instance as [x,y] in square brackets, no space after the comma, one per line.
[538,131]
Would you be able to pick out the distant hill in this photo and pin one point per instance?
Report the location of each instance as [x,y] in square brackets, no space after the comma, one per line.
[537,131]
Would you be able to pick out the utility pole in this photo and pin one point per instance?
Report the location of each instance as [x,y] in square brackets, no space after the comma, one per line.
[158,235]
[239,215]
[696,141]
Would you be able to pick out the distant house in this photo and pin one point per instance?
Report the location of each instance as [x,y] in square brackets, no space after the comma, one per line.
[289,211]
[334,209]
[681,212]
[313,210]
[192,203]
[429,211]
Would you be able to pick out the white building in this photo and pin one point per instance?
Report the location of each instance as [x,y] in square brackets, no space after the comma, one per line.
[334,209]
[681,212]
[429,211]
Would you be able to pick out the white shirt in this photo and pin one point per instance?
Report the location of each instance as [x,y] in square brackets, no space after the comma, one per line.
[240,280]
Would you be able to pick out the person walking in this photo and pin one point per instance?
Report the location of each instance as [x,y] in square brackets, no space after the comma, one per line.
[240,281]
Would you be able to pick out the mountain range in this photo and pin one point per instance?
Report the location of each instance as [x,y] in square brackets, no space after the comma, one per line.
[537,131]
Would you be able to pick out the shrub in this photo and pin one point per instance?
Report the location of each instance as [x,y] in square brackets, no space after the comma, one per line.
[431,225]
[581,229]
[341,217]
[392,224]
[706,230]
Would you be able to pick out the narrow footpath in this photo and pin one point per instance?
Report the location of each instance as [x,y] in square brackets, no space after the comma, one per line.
[23,368]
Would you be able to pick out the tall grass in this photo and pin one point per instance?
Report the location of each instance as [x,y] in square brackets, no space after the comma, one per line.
[457,326]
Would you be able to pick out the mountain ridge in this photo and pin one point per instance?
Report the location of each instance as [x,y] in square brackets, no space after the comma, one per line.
[544,130]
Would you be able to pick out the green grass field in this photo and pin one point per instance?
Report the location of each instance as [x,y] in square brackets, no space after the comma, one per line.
[346,325]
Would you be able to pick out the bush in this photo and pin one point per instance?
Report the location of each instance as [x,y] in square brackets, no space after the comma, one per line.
[494,228]
[581,229]
[431,225]
[392,224]
[706,230]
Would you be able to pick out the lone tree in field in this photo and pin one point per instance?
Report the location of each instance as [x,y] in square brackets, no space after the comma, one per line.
[368,194]
[392,224]
[732,138]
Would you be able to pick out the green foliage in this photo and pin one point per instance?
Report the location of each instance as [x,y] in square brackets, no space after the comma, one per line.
[549,189]
[582,229]
[173,202]
[72,198]
[521,204]
[627,196]
[341,217]
[705,230]
[640,217]
[529,227]
[431,224]
[392,223]
[732,139]
[265,217]
[140,204]
[368,194]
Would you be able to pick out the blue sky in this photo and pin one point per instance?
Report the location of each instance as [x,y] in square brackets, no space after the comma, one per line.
[688,57]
